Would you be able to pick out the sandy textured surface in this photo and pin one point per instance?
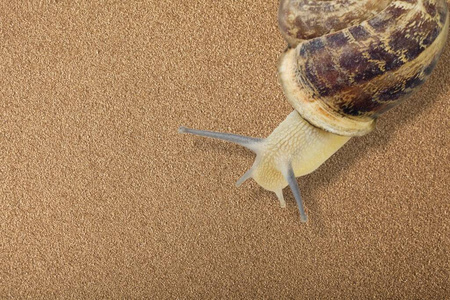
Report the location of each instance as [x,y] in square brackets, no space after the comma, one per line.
[101,198]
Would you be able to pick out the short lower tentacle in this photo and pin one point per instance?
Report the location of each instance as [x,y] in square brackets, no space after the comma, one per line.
[289,175]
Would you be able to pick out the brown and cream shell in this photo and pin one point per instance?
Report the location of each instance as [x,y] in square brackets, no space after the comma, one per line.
[348,61]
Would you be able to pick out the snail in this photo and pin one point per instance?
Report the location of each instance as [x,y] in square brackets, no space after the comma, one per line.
[346,63]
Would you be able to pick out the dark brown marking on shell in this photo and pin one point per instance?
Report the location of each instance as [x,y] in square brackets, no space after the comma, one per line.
[310,72]
[430,8]
[391,93]
[353,61]
[359,33]
[428,69]
[336,40]
[409,39]
[361,103]
[384,20]
[415,81]
[371,70]
[379,52]
[324,78]
[410,47]
[432,35]
[312,47]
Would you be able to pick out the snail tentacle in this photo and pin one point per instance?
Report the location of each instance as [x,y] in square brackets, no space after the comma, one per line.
[280,197]
[289,175]
[244,177]
[250,143]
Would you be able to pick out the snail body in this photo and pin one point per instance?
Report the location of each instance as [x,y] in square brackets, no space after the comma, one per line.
[340,72]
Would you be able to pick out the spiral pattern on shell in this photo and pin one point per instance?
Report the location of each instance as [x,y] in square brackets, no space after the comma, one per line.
[349,61]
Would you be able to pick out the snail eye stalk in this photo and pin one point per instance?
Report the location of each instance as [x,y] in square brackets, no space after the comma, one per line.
[250,143]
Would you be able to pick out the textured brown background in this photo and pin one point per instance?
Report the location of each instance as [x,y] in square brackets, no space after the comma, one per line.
[100,197]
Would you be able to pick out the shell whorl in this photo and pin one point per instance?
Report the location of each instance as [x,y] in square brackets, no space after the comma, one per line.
[306,19]
[353,64]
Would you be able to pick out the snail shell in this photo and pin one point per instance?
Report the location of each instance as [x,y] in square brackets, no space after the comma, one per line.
[344,77]
[347,62]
